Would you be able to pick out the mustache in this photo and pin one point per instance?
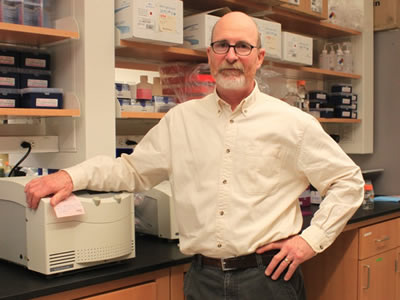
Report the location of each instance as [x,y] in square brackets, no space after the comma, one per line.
[230,67]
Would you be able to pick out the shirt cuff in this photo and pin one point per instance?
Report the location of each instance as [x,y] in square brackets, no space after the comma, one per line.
[78,176]
[316,238]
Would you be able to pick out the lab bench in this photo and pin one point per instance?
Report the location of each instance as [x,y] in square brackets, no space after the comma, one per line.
[158,268]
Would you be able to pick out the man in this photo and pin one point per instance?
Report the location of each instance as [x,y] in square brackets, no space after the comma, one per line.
[237,161]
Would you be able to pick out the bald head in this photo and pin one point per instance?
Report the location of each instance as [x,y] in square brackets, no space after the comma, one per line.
[237,21]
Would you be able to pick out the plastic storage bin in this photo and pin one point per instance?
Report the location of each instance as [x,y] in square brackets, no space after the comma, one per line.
[9,58]
[9,98]
[42,98]
[32,13]
[11,11]
[9,78]
[34,78]
[40,61]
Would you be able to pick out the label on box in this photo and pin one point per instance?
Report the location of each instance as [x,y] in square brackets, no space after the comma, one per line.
[346,89]
[10,81]
[7,102]
[346,114]
[7,60]
[321,96]
[46,102]
[35,62]
[37,83]
[316,6]
[167,18]
[146,15]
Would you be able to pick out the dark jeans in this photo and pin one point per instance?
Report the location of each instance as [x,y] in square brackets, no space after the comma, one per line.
[210,283]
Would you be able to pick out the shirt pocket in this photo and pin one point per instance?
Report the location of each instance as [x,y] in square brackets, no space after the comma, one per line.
[257,169]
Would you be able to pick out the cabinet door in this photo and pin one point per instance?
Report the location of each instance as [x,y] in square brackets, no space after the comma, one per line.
[146,291]
[377,277]
[398,273]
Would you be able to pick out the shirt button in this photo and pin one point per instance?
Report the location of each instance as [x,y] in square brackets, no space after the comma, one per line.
[231,121]
[228,150]
[221,213]
[224,181]
[219,245]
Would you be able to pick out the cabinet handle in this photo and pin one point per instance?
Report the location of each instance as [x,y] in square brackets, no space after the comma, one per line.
[368,277]
[385,238]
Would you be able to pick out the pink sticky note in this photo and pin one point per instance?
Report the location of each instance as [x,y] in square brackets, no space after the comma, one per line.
[69,207]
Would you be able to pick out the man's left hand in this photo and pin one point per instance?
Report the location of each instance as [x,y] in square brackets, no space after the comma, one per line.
[293,251]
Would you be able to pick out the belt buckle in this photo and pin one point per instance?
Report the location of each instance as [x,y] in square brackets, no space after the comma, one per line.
[223,267]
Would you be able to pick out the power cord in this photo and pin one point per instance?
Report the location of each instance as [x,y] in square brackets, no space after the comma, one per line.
[23,145]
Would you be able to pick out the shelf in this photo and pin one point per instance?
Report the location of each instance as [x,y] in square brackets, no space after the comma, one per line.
[33,35]
[159,53]
[338,120]
[149,115]
[294,72]
[290,21]
[248,6]
[141,115]
[39,112]
[308,26]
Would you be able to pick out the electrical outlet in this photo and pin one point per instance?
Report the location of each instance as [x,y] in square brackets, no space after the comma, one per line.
[121,140]
[39,144]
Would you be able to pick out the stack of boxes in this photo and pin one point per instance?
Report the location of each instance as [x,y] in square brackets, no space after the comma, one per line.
[143,97]
[339,103]
[25,80]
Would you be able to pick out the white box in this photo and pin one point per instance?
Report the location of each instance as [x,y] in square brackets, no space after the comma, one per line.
[152,21]
[270,38]
[297,48]
[197,29]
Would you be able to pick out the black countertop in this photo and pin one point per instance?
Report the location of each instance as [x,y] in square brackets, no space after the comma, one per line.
[152,254]
[17,282]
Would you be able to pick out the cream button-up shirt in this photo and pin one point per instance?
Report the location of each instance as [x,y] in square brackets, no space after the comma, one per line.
[236,176]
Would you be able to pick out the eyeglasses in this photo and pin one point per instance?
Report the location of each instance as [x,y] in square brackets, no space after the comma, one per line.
[241,48]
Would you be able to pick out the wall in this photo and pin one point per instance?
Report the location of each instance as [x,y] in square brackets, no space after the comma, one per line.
[386,113]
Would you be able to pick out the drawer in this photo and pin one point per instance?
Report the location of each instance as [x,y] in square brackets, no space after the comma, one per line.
[146,291]
[377,238]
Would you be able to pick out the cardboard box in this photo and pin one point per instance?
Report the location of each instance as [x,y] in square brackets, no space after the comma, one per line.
[271,35]
[386,14]
[297,48]
[197,29]
[151,21]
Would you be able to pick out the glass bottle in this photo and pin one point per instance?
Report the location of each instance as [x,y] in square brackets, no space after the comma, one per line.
[368,202]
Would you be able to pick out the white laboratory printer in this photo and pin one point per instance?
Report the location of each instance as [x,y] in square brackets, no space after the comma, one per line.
[42,242]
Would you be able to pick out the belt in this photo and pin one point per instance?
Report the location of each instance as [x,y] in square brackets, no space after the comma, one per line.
[239,262]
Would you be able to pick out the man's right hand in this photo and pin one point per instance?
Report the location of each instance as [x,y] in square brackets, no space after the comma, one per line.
[58,184]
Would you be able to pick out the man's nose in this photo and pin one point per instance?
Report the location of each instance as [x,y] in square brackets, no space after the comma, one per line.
[231,56]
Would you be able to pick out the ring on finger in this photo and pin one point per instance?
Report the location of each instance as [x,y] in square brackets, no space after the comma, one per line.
[286,260]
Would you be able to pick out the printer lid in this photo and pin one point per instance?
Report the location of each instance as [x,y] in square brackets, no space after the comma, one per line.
[12,189]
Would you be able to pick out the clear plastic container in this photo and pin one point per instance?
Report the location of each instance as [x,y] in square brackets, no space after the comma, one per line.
[368,202]
[302,92]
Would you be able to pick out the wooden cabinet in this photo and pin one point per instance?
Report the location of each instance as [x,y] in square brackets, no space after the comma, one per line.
[164,284]
[377,261]
[377,277]
[363,264]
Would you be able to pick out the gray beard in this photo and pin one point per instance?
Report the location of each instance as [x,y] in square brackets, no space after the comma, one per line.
[236,83]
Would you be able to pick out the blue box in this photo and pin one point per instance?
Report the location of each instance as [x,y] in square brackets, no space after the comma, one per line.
[342,88]
[340,99]
[34,78]
[42,98]
[9,98]
[9,78]
[39,61]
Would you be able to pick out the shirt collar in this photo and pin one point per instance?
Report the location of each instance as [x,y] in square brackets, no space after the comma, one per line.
[244,105]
